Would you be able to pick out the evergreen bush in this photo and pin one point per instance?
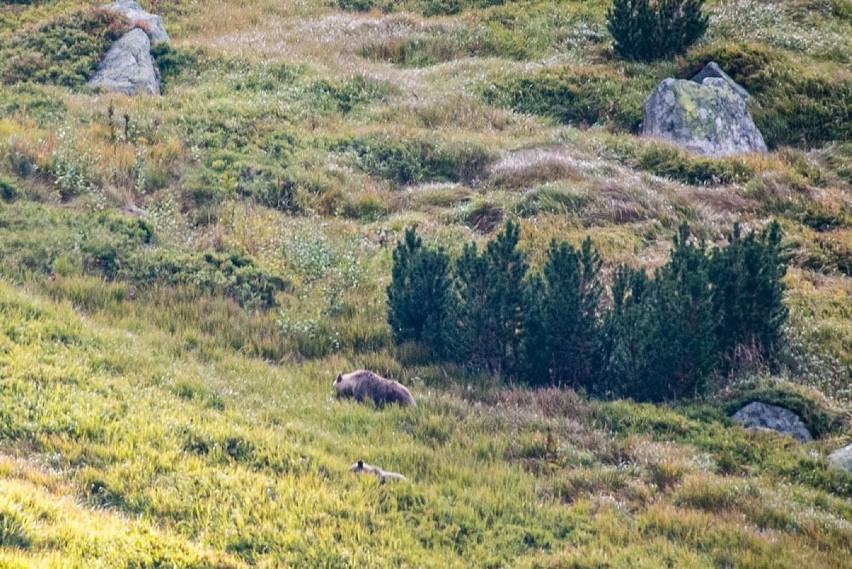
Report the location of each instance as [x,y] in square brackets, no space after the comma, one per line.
[646,30]
[418,295]
[484,328]
[562,325]
[704,314]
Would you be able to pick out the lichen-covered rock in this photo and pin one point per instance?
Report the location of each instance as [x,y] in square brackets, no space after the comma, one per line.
[712,70]
[128,66]
[150,23]
[709,119]
[842,459]
[760,416]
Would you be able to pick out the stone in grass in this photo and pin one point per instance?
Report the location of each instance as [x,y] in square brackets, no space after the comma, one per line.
[150,23]
[842,459]
[709,119]
[128,66]
[712,69]
[760,416]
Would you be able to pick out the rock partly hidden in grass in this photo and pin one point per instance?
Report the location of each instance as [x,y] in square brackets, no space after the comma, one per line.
[842,459]
[708,118]
[712,69]
[760,416]
[793,102]
[128,66]
[818,420]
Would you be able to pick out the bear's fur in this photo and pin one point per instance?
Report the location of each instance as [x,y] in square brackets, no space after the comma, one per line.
[382,475]
[363,384]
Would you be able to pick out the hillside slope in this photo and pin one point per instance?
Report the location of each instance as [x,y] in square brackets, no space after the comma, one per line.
[183,276]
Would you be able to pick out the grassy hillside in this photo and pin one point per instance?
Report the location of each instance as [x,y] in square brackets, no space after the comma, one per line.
[183,276]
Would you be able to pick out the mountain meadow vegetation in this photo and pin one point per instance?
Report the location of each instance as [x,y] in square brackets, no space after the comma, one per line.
[450,193]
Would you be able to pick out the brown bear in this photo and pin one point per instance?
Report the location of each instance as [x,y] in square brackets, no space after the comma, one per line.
[362,384]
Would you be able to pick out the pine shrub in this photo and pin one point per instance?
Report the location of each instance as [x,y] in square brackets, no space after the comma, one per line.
[562,327]
[747,278]
[487,307]
[419,292]
[704,314]
[646,30]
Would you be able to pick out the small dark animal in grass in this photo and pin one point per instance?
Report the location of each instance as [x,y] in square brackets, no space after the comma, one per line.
[382,475]
[362,384]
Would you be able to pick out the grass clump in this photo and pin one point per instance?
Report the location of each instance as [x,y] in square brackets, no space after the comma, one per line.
[417,160]
[674,163]
[172,61]
[574,95]
[64,51]
[425,7]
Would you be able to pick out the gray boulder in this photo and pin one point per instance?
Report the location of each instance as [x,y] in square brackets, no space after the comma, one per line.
[128,66]
[760,416]
[708,118]
[151,23]
[712,70]
[842,459]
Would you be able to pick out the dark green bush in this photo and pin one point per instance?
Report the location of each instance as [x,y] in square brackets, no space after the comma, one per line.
[487,307]
[748,281]
[645,30]
[576,95]
[562,324]
[172,62]
[418,296]
[8,190]
[654,340]
[64,51]
[416,160]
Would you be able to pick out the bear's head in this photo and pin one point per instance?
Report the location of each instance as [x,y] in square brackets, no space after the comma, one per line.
[341,386]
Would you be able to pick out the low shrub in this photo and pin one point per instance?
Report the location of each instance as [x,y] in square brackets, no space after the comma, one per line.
[425,7]
[231,274]
[8,190]
[576,95]
[676,164]
[346,95]
[64,51]
[173,61]
[417,160]
[646,30]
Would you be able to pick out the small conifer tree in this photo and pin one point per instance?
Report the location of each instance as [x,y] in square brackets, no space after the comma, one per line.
[487,315]
[645,30]
[561,335]
[747,276]
[419,292]
[686,351]
[627,337]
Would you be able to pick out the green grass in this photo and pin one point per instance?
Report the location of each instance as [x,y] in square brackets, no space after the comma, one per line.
[183,276]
